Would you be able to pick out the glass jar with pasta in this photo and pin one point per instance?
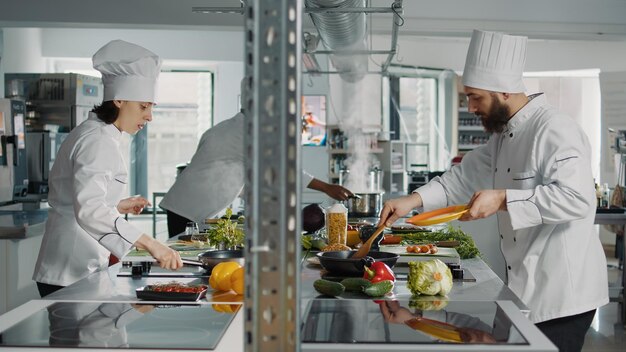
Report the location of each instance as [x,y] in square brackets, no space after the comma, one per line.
[337,224]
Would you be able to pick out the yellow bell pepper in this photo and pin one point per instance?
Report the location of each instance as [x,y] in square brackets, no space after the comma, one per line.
[237,281]
[220,275]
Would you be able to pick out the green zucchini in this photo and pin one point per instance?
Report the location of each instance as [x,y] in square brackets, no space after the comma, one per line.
[355,284]
[329,288]
[379,289]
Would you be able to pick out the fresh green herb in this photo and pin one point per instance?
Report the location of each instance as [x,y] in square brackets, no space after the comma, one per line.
[226,232]
[466,249]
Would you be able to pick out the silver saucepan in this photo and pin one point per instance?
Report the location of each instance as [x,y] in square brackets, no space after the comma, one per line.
[365,205]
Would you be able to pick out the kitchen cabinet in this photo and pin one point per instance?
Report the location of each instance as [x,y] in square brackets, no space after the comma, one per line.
[18,256]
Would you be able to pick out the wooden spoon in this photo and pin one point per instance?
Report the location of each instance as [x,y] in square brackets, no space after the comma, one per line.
[365,248]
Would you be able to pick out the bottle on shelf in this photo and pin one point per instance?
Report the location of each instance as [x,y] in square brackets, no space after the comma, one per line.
[598,196]
[606,193]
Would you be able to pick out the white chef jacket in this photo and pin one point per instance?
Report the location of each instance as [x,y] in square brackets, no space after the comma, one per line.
[87,181]
[555,261]
[215,175]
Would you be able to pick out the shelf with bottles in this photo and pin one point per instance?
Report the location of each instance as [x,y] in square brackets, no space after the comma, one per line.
[471,131]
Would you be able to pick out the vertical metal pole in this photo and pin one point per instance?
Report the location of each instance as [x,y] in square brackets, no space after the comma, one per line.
[272,66]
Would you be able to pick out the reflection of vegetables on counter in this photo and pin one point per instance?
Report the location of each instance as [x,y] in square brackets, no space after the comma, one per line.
[226,297]
[378,271]
[227,276]
[428,302]
[226,232]
[430,277]
[466,248]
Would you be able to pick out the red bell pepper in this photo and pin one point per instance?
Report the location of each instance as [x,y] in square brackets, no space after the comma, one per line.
[377,272]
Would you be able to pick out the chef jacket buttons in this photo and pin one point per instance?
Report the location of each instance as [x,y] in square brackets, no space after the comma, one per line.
[514,239]
[496,169]
[511,135]
[509,267]
[501,236]
[508,170]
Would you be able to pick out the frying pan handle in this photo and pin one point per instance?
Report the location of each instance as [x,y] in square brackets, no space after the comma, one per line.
[192,262]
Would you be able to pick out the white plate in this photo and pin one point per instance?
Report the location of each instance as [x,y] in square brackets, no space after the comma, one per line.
[313,260]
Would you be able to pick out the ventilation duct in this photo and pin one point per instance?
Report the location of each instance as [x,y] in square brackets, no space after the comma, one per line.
[344,32]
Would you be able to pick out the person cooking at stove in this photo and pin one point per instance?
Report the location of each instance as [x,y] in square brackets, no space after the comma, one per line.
[534,173]
[215,176]
[89,177]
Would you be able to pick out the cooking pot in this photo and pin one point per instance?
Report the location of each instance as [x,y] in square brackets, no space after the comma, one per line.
[210,259]
[340,262]
[365,205]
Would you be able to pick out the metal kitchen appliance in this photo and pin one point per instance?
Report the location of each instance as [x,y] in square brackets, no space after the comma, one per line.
[42,150]
[13,169]
[55,103]
[54,100]
[369,193]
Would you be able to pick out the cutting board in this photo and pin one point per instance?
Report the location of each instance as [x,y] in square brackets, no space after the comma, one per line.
[144,256]
[446,255]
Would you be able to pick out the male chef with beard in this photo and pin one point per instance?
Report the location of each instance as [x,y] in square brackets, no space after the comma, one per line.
[534,173]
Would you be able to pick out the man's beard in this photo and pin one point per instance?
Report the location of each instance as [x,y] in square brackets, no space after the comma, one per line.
[496,118]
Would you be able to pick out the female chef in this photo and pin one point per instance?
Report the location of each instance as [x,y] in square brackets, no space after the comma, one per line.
[89,177]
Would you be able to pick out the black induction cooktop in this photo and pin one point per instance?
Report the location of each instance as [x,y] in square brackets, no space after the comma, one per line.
[366,322]
[120,325]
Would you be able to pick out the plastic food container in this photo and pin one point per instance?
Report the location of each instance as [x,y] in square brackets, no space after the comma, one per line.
[337,224]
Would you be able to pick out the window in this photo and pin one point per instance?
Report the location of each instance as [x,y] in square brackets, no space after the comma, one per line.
[183,112]
[420,113]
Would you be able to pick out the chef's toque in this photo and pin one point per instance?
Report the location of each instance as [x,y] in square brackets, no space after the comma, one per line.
[495,62]
[129,72]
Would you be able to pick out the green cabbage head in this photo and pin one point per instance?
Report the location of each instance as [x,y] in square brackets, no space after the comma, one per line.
[430,277]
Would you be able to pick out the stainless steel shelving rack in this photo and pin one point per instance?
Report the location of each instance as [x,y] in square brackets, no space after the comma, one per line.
[272,128]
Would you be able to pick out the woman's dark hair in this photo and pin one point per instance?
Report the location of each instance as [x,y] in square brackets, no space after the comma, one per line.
[107,111]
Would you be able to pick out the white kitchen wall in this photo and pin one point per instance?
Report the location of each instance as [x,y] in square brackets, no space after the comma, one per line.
[30,49]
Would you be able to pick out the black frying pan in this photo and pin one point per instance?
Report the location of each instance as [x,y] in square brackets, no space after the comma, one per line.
[209,259]
[339,263]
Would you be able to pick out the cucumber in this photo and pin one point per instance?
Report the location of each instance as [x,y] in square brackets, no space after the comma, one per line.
[355,284]
[329,288]
[379,289]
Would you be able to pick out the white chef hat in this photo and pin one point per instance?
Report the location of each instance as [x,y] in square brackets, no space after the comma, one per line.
[129,71]
[495,62]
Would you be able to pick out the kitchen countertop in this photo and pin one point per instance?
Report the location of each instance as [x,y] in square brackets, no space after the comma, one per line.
[106,286]
[14,224]
[487,287]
